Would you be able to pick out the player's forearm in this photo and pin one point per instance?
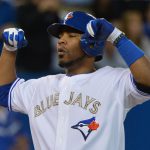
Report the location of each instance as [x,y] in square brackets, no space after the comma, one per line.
[7,67]
[141,71]
[13,40]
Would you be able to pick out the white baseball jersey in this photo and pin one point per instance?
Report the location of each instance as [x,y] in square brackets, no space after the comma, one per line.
[81,112]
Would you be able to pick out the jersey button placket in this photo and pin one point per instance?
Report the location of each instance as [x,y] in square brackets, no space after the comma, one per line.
[62,119]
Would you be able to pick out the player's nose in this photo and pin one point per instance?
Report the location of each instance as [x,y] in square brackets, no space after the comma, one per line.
[62,38]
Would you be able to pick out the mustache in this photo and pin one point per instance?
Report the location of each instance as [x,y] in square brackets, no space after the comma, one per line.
[63,50]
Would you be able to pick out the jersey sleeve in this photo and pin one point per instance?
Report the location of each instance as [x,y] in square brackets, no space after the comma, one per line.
[4,92]
[20,95]
[132,95]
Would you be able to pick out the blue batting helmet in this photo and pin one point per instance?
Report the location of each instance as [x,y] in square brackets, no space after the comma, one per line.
[77,21]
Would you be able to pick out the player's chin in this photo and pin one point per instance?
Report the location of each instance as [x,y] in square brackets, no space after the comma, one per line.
[61,62]
[64,63]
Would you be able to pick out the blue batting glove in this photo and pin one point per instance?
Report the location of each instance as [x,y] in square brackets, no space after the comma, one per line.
[101,29]
[14,39]
[91,46]
[93,40]
[97,32]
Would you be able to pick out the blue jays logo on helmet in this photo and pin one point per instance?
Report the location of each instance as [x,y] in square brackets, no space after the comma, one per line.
[86,127]
[68,16]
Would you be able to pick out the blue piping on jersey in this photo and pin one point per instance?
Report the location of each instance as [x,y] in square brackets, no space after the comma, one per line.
[9,98]
[4,92]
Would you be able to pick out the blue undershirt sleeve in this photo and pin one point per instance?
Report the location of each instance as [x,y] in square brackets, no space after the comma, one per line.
[4,94]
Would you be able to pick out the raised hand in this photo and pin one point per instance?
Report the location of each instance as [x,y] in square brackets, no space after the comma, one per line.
[102,30]
[14,39]
[98,31]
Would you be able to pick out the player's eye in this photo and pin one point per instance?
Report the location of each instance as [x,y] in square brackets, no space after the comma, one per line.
[72,35]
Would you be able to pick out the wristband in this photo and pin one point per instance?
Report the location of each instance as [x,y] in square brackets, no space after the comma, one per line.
[128,50]
[118,39]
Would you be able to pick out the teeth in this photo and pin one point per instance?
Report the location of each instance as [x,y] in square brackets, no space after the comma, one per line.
[61,53]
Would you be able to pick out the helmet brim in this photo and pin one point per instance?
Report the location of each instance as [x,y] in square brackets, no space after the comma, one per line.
[57,28]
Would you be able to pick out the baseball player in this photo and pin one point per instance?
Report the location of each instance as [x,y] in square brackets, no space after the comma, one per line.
[85,108]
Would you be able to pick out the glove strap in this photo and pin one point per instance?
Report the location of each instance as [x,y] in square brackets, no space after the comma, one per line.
[9,48]
[114,36]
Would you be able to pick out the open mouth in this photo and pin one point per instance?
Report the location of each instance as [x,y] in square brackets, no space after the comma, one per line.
[61,52]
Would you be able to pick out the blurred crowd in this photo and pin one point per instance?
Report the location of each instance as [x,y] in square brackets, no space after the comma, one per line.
[39,58]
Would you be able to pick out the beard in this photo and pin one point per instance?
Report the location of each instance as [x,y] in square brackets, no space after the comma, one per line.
[72,62]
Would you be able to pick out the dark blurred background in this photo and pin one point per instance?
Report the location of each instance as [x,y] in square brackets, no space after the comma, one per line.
[39,58]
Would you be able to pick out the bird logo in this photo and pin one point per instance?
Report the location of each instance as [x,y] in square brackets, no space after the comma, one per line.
[68,16]
[86,127]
